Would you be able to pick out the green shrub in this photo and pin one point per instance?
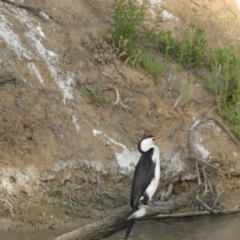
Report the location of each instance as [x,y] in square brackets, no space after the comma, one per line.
[152,67]
[224,81]
[128,18]
[190,51]
[96,96]
[166,44]
[130,36]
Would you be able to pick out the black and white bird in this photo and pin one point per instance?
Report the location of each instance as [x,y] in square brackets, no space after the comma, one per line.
[146,176]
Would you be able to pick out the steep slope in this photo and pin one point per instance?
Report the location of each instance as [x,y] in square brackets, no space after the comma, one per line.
[58,148]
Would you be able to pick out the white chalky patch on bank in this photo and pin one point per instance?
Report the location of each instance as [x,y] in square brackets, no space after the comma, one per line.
[75,122]
[205,153]
[127,159]
[34,69]
[238,4]
[12,40]
[157,3]
[168,16]
[34,36]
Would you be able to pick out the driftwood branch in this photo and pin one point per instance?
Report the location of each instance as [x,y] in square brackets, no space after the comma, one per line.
[202,213]
[108,226]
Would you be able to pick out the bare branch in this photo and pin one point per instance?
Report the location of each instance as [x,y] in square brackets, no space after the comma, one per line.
[209,164]
[205,205]
[202,213]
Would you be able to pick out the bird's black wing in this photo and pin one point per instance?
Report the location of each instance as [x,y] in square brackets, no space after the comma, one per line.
[142,177]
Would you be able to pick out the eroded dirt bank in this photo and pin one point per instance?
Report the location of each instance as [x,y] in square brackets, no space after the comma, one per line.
[63,157]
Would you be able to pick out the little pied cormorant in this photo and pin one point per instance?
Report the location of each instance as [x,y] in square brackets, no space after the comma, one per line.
[146,176]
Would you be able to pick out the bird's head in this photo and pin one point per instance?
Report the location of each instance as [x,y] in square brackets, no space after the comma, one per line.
[146,143]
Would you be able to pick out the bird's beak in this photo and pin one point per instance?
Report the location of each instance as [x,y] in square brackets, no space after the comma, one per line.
[157,140]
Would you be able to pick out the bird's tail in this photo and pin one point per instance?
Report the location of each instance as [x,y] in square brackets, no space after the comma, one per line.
[129,227]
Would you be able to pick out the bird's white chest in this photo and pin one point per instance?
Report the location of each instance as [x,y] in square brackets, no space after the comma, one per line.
[155,181]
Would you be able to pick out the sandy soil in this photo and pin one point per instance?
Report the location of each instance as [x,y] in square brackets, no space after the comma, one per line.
[63,157]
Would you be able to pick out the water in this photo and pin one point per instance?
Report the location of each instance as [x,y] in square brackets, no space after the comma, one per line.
[46,234]
[202,228]
[207,228]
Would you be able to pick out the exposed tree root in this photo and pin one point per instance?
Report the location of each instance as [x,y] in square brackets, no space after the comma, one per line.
[10,207]
[208,188]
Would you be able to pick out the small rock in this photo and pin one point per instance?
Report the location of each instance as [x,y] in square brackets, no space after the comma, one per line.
[26,122]
[43,214]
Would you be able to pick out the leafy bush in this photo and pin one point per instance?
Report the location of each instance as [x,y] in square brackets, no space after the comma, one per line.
[128,18]
[167,44]
[224,81]
[190,51]
[129,36]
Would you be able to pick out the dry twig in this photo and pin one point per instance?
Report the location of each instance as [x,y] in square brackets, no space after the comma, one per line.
[205,205]
[191,149]
[205,180]
[163,196]
[7,80]
[219,193]
[117,97]
[209,164]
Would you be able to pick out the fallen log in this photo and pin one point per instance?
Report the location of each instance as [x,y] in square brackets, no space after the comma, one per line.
[107,226]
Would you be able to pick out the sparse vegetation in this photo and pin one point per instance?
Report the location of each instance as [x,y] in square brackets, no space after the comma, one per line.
[104,49]
[129,36]
[6,76]
[97,96]
[57,197]
[224,81]
[130,40]
[32,204]
[186,93]
[189,51]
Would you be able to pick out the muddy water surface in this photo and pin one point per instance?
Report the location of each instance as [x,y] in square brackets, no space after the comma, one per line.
[207,228]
